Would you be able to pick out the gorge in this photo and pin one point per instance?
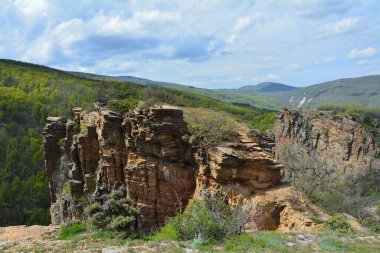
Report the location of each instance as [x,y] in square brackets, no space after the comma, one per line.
[143,153]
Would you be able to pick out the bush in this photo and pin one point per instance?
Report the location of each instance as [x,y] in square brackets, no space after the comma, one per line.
[338,223]
[207,219]
[208,130]
[116,214]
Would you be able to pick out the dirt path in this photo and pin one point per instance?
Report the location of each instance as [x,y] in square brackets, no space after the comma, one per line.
[27,232]
[29,239]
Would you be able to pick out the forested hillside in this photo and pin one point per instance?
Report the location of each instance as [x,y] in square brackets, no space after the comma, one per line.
[29,93]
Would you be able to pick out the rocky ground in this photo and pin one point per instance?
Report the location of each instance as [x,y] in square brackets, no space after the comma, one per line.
[44,239]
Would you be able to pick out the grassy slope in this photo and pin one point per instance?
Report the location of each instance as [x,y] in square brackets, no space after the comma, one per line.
[29,93]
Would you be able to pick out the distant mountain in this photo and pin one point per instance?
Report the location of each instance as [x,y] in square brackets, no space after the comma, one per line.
[94,76]
[141,81]
[363,90]
[231,96]
[266,87]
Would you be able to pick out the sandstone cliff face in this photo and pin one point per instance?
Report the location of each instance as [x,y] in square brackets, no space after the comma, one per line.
[324,145]
[143,154]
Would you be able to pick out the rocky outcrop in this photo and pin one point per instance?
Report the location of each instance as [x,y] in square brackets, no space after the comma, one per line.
[143,154]
[238,168]
[323,145]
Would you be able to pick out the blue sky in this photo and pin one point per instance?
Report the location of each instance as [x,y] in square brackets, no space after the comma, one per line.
[212,44]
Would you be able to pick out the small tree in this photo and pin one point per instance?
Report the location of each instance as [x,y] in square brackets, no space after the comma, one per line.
[207,131]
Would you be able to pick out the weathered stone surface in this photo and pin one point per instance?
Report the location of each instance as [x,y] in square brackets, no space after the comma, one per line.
[316,140]
[142,152]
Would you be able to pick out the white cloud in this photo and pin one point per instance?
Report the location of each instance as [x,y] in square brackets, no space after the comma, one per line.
[64,36]
[340,27]
[243,23]
[363,53]
[293,67]
[140,23]
[33,8]
[61,37]
[246,21]
[271,77]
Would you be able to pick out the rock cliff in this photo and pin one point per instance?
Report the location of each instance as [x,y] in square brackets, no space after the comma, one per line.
[143,154]
[322,146]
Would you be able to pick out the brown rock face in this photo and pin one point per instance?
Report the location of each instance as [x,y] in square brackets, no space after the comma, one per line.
[143,154]
[334,146]
[159,173]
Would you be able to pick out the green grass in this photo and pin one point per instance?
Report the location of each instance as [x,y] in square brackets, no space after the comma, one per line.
[168,232]
[263,241]
[333,244]
[102,235]
[71,230]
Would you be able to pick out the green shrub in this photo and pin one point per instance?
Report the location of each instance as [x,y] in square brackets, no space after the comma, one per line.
[338,223]
[122,105]
[115,214]
[208,130]
[121,223]
[93,209]
[207,219]
[71,229]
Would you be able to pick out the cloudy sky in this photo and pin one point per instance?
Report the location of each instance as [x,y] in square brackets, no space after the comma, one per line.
[204,43]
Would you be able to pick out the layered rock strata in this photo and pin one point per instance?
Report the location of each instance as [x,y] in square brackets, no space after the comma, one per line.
[330,145]
[143,154]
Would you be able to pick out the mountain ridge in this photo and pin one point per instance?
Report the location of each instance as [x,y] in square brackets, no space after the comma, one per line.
[343,90]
